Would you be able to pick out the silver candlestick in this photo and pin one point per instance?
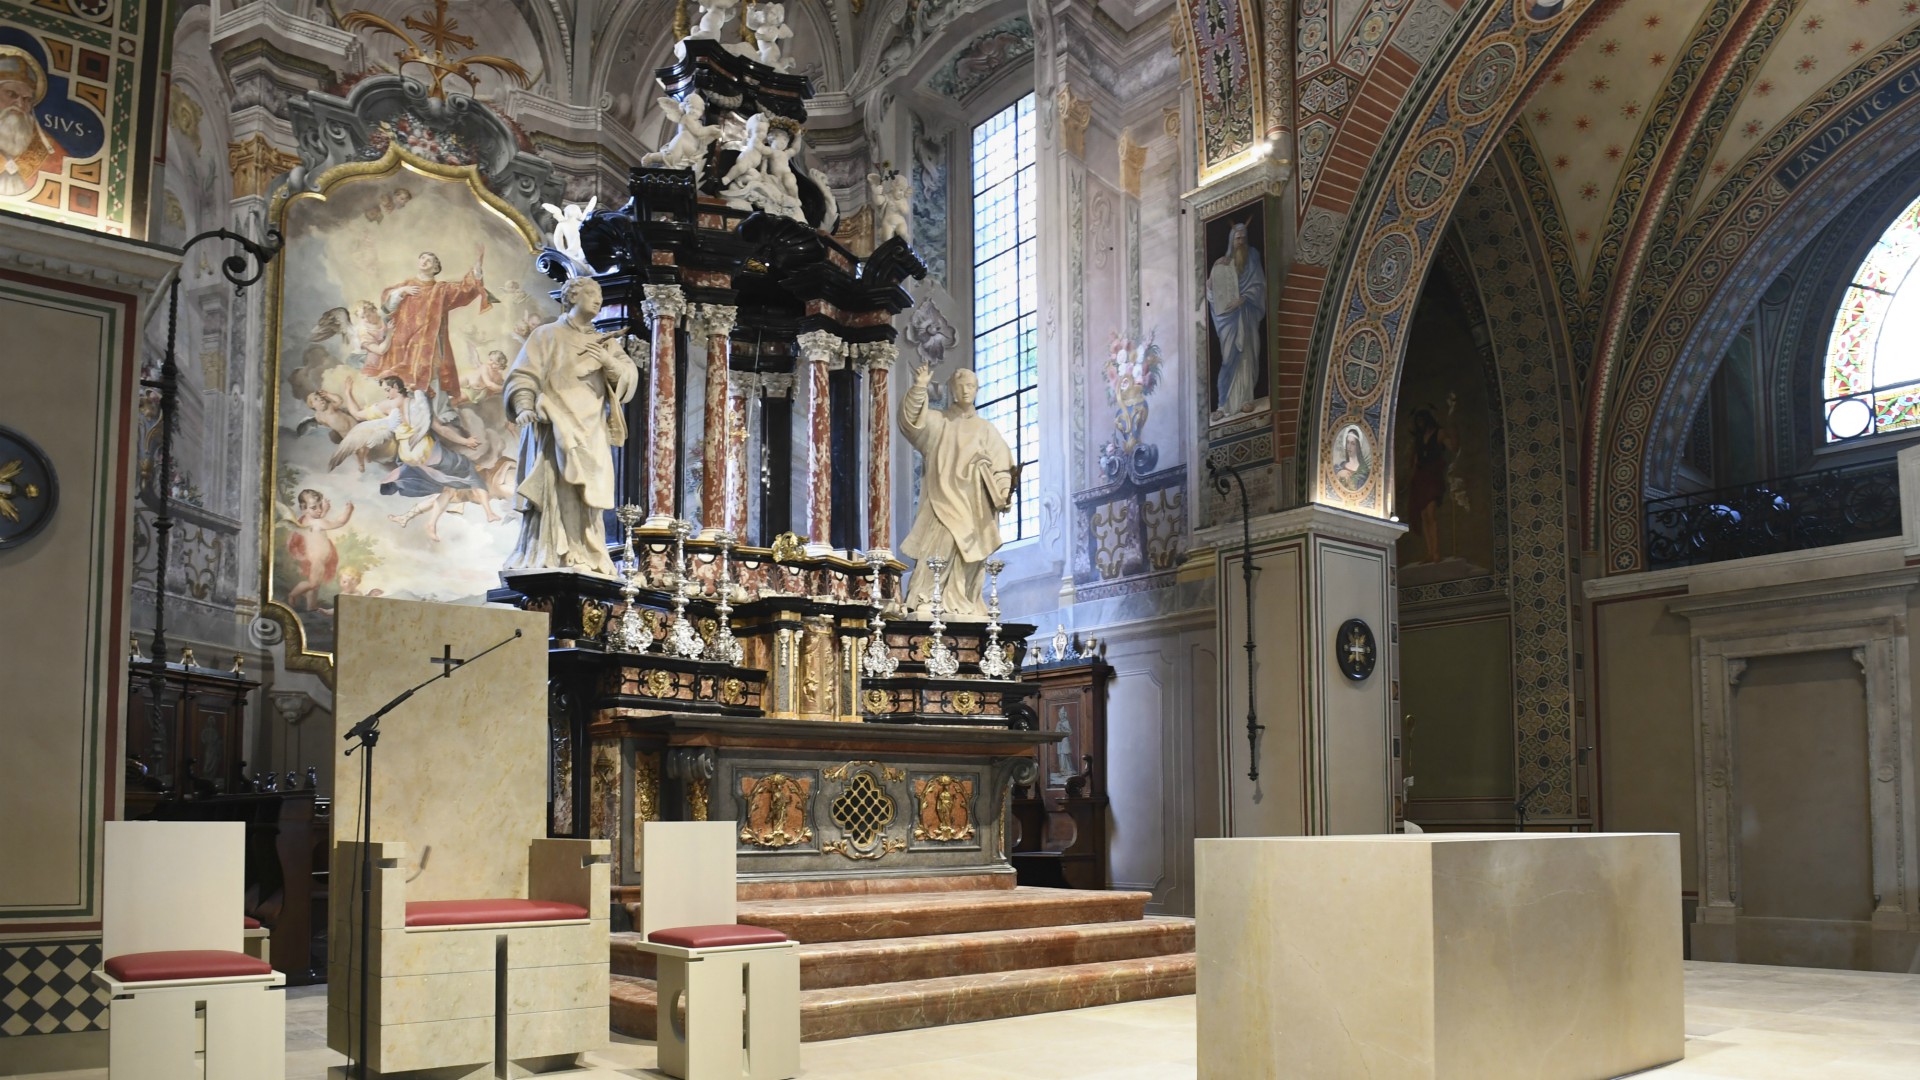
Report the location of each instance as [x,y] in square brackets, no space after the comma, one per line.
[724,648]
[630,633]
[996,661]
[681,638]
[878,662]
[941,661]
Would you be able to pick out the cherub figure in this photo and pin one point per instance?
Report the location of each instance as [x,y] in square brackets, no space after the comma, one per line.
[688,147]
[330,412]
[890,196]
[769,25]
[714,17]
[781,186]
[312,549]
[566,227]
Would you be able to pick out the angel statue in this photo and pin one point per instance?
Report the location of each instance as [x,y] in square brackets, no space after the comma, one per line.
[768,22]
[566,227]
[762,176]
[688,147]
[781,187]
[890,196]
[714,17]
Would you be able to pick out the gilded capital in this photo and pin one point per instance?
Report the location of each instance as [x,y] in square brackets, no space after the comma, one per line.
[1133,159]
[255,164]
[1075,114]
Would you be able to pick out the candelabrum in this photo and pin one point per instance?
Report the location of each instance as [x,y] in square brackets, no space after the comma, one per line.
[724,648]
[878,662]
[941,661]
[630,633]
[996,660]
[681,639]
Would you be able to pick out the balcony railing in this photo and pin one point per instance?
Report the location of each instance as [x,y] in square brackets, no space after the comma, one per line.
[1789,513]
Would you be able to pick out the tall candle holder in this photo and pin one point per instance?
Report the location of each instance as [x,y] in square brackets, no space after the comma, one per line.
[878,662]
[630,633]
[941,661]
[682,641]
[724,648]
[996,660]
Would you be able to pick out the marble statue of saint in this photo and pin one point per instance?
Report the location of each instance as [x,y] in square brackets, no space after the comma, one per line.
[564,394]
[970,475]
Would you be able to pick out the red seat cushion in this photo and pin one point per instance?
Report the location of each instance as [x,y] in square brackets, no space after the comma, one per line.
[142,967]
[249,922]
[716,937]
[469,912]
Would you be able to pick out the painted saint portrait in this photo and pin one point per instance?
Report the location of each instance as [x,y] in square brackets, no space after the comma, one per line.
[405,292]
[1443,456]
[1352,457]
[1237,305]
[43,127]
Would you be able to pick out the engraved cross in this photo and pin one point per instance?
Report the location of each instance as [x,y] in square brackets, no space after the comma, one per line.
[446,660]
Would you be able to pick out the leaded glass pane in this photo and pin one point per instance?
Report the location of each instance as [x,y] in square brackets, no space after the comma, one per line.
[1006,295]
[1872,381]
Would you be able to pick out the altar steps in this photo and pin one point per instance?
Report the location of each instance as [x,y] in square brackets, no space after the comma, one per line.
[887,963]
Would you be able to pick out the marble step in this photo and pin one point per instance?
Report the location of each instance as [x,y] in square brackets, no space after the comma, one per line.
[629,895]
[859,918]
[846,1011]
[879,960]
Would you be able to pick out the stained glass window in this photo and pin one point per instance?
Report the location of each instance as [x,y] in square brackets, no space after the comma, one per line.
[1006,297]
[1872,380]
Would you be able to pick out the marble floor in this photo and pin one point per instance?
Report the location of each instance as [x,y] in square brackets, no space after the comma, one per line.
[1759,1023]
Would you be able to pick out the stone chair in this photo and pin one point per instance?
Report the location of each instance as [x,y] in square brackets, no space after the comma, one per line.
[729,994]
[489,940]
[186,1002]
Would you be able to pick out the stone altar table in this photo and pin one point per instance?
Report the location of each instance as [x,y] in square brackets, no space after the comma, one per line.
[1440,955]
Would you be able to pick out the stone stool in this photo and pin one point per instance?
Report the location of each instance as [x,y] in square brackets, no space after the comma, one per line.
[740,988]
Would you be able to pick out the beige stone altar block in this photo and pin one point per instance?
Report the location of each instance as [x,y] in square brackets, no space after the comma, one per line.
[1462,956]
[459,813]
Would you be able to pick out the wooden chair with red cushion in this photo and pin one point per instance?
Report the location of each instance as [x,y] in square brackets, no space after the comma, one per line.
[729,994]
[186,1001]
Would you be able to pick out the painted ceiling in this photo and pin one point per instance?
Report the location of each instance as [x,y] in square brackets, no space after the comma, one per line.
[1593,109]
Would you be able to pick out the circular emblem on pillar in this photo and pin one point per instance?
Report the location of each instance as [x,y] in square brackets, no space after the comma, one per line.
[1355,649]
[28,490]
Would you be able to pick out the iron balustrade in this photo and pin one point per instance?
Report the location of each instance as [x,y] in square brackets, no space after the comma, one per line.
[1788,513]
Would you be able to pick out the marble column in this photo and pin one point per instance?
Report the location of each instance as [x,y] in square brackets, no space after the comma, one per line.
[715,508]
[664,307]
[746,385]
[821,351]
[879,358]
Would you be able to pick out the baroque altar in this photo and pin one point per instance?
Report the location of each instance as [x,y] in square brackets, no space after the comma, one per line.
[750,660]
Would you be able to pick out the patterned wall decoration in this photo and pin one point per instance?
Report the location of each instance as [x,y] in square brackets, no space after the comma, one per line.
[932,158]
[1435,148]
[1739,239]
[1227,57]
[1276,27]
[974,64]
[1574,324]
[46,987]
[1494,236]
[76,77]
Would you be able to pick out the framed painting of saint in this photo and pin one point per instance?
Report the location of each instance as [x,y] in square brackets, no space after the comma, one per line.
[403,295]
[1238,303]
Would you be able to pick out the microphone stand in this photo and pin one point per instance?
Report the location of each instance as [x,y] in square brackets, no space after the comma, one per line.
[1520,805]
[365,735]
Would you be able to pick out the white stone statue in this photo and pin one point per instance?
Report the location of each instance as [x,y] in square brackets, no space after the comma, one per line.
[891,198]
[566,227]
[714,17]
[969,482]
[564,394]
[832,218]
[769,25]
[753,151]
[688,147]
[762,176]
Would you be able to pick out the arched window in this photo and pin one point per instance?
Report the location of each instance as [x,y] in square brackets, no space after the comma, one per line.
[1872,383]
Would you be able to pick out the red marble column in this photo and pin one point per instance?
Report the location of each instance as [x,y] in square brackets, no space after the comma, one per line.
[664,307]
[737,472]
[715,449]
[819,350]
[880,356]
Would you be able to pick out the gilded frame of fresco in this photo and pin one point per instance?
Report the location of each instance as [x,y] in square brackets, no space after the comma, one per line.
[300,655]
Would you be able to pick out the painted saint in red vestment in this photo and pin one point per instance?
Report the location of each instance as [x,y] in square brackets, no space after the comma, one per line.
[420,352]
